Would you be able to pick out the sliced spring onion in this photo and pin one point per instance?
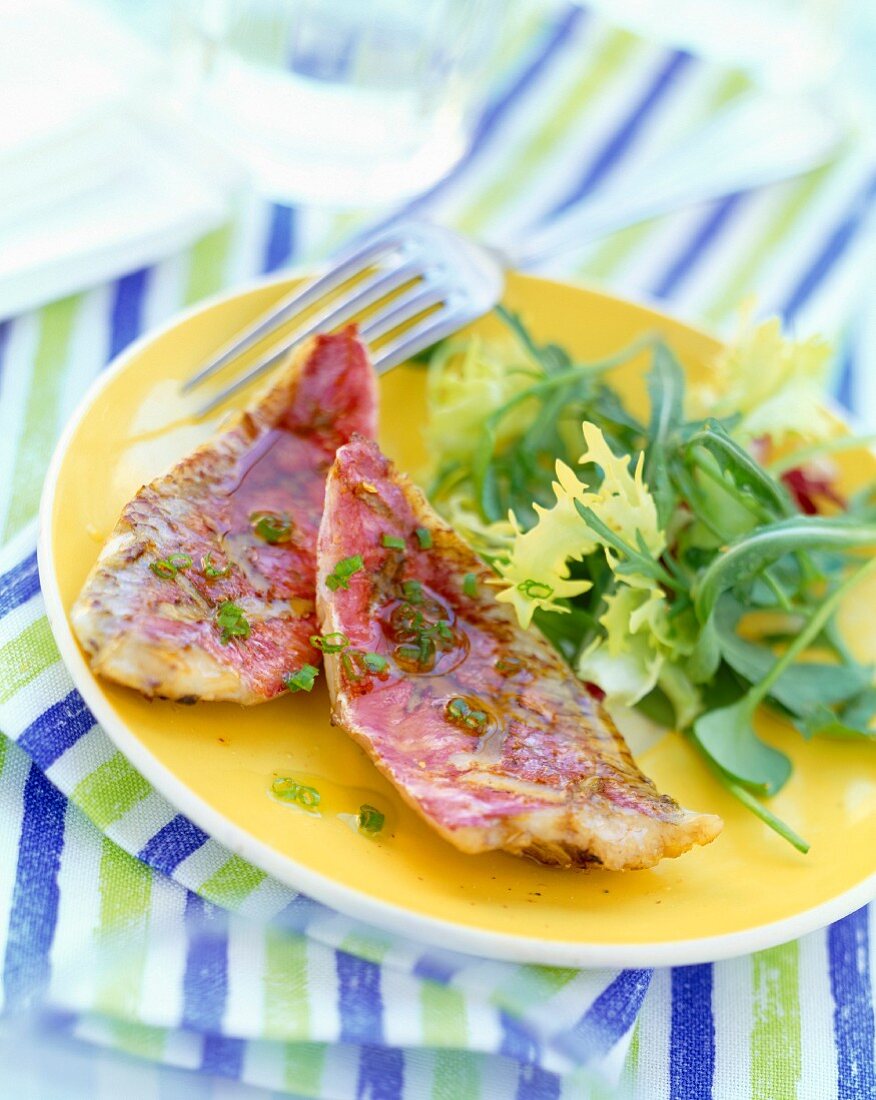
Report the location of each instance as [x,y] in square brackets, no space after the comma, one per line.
[392,542]
[231,621]
[412,591]
[330,643]
[273,527]
[210,571]
[301,680]
[343,570]
[167,568]
[289,791]
[424,538]
[374,662]
[461,713]
[370,820]
[470,584]
[536,590]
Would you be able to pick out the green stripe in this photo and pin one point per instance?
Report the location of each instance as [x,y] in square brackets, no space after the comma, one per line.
[744,273]
[4,745]
[24,657]
[530,157]
[207,262]
[303,1069]
[42,410]
[138,1039]
[125,897]
[529,985]
[456,1076]
[615,249]
[286,1004]
[444,1018]
[631,1065]
[232,884]
[110,791]
[775,1032]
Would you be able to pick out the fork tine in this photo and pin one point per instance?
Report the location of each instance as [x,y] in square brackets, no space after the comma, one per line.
[293,303]
[405,308]
[433,328]
[335,315]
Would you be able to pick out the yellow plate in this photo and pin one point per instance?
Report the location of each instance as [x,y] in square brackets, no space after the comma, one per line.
[215,762]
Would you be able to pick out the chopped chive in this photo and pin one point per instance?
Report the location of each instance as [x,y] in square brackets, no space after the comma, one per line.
[424,537]
[508,666]
[302,680]
[289,791]
[412,591]
[374,662]
[330,643]
[231,621]
[273,527]
[210,571]
[392,542]
[461,713]
[536,590]
[370,820]
[167,568]
[343,570]
[470,584]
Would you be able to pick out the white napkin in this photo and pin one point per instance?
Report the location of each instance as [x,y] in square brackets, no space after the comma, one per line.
[96,175]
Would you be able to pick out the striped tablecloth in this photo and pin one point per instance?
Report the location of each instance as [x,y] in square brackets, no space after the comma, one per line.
[121,923]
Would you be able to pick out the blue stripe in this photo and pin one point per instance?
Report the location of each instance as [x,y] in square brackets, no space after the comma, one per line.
[381,1074]
[205,984]
[831,251]
[35,895]
[299,913]
[223,1056]
[519,1044]
[173,843]
[126,314]
[618,143]
[720,213]
[56,729]
[360,1003]
[281,238]
[494,114]
[692,1034]
[850,984]
[19,585]
[608,1019]
[435,967]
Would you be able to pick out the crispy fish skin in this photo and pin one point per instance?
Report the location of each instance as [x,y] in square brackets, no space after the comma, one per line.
[535,766]
[160,634]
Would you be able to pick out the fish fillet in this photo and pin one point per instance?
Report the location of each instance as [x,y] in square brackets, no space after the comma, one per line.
[205,590]
[478,723]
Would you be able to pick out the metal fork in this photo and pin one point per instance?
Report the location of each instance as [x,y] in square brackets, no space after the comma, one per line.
[415,283]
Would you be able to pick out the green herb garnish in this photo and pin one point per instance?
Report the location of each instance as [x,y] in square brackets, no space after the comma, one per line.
[370,820]
[424,538]
[231,621]
[210,571]
[273,527]
[461,713]
[330,643]
[343,570]
[288,790]
[301,680]
[392,542]
[374,662]
[642,544]
[167,568]
[470,585]
[412,591]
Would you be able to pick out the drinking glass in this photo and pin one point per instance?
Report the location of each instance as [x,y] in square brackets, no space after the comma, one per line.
[339,102]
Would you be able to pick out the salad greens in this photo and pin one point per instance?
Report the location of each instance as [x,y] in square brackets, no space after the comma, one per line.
[675,558]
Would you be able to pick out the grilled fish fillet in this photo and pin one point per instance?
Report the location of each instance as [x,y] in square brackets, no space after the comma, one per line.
[205,590]
[478,723]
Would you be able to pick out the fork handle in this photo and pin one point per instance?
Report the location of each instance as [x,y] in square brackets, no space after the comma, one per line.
[753,142]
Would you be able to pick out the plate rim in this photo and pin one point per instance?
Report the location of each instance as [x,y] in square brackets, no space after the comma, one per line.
[413,926]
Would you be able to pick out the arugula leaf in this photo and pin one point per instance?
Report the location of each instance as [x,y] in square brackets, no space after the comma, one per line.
[666,390]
